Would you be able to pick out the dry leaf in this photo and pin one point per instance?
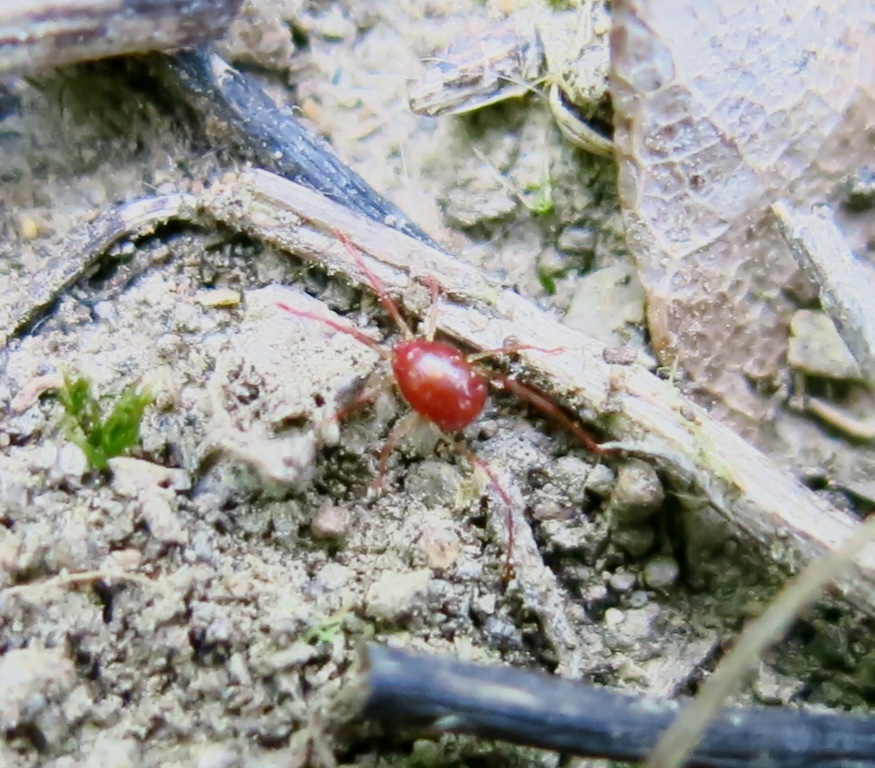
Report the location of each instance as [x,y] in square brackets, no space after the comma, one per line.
[721,106]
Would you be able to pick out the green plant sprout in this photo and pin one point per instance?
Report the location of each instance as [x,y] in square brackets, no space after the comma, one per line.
[547,279]
[327,629]
[83,423]
[543,203]
[324,633]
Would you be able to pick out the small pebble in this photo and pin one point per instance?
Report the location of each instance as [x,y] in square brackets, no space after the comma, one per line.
[661,573]
[600,481]
[549,509]
[238,669]
[485,604]
[605,302]
[124,559]
[577,240]
[218,298]
[296,655]
[440,545]
[14,494]
[637,495]
[572,476]
[216,756]
[635,540]
[160,517]
[435,483]
[426,752]
[860,190]
[330,522]
[503,633]
[594,593]
[28,227]
[332,577]
[638,599]
[614,617]
[396,594]
[623,582]
[33,680]
[816,348]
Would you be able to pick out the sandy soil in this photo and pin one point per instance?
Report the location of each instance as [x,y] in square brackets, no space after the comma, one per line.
[257,560]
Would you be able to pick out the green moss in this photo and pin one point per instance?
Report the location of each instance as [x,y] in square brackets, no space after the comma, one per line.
[101,438]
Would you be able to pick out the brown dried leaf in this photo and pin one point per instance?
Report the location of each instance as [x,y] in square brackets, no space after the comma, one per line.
[721,106]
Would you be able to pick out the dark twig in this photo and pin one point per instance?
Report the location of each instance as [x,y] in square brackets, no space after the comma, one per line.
[38,34]
[443,695]
[272,137]
[267,134]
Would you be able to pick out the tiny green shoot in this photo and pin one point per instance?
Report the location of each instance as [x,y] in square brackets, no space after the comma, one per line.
[543,203]
[83,422]
[547,279]
[327,630]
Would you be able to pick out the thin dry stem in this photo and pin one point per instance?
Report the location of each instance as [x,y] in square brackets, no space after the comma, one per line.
[679,740]
[80,577]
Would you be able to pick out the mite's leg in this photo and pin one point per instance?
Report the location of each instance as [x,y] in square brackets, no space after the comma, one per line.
[505,498]
[510,349]
[339,327]
[549,408]
[401,428]
[434,291]
[378,287]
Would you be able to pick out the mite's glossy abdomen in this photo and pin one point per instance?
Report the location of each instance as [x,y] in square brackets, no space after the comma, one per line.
[439,383]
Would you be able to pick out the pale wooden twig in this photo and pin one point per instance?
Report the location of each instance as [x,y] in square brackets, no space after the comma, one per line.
[629,403]
[648,416]
[83,250]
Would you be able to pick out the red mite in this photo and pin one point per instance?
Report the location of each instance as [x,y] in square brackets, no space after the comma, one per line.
[441,384]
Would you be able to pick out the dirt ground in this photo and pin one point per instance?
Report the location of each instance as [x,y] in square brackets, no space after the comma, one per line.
[257,561]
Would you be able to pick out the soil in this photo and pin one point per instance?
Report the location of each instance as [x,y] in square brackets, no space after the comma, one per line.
[203,602]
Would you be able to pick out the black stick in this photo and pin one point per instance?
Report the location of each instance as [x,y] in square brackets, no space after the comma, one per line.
[534,709]
[273,138]
[38,34]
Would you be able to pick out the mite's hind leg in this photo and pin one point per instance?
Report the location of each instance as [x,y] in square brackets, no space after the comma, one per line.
[550,409]
[362,399]
[494,482]
[402,427]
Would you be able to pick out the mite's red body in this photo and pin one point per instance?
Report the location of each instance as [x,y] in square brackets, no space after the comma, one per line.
[441,384]
[438,382]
